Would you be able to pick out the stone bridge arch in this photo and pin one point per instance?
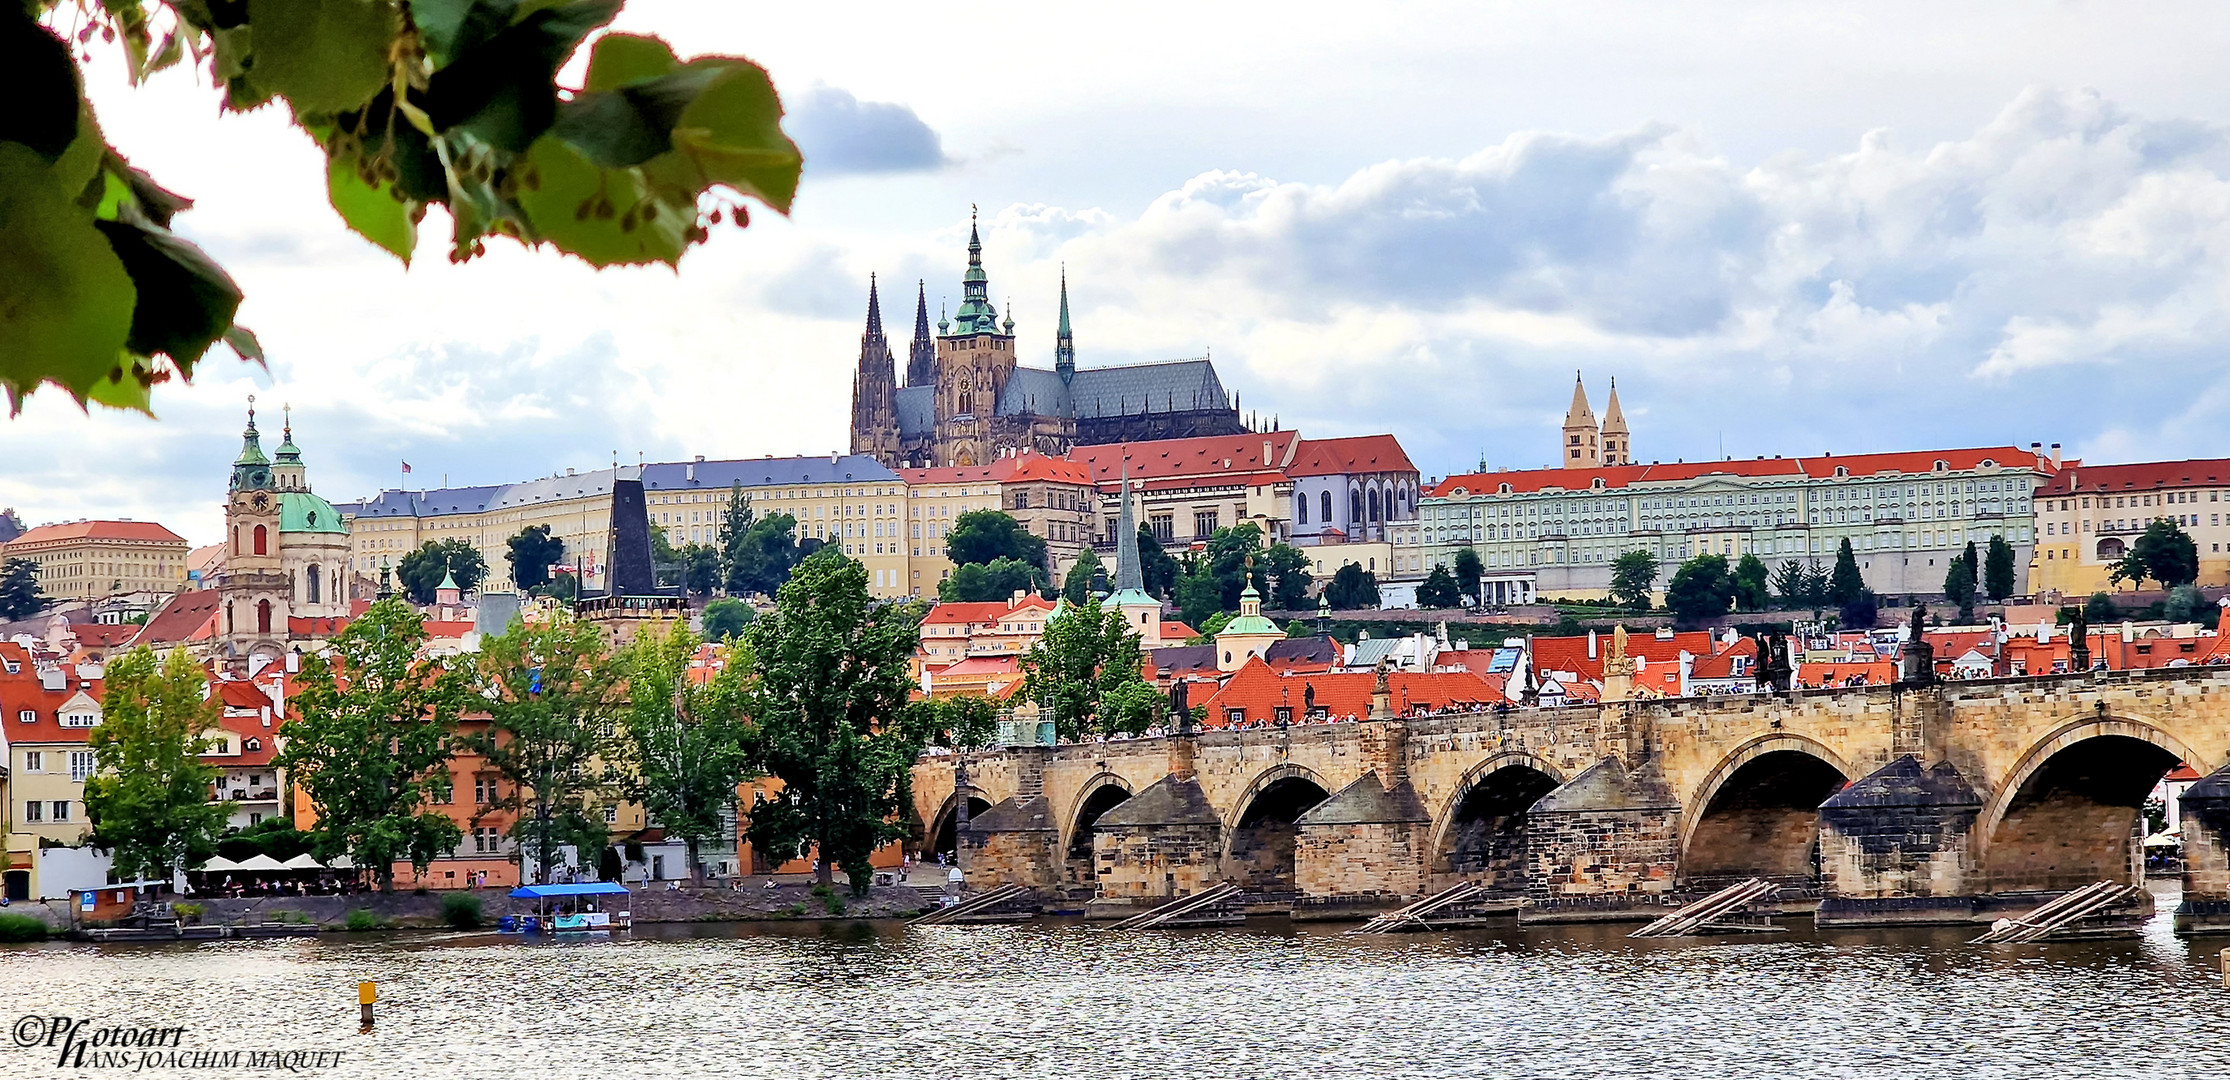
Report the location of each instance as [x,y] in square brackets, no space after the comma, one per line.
[941,834]
[1479,833]
[2065,813]
[1102,792]
[1259,830]
[1756,814]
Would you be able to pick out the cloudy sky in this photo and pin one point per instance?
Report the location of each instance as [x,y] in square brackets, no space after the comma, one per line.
[1787,228]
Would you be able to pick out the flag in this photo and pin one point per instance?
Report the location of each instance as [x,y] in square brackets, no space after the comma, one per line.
[406,466]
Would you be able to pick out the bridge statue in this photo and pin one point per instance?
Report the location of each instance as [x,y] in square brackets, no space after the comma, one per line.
[1919,656]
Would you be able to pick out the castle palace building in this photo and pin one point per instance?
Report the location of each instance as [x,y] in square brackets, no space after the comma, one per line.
[968,400]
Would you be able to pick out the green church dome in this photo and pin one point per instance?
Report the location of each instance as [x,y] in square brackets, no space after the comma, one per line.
[302,512]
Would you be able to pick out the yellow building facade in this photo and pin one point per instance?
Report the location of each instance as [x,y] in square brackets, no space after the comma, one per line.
[2089,516]
[87,560]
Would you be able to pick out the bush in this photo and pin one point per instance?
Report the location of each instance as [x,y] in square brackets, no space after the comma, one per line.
[2186,604]
[835,903]
[186,911]
[363,919]
[21,928]
[2100,609]
[461,910]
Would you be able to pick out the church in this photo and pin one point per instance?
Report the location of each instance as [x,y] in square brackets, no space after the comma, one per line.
[968,399]
[284,576]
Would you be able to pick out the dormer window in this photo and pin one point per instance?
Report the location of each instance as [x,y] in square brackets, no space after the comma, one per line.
[252,745]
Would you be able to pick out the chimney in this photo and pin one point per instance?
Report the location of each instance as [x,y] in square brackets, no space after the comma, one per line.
[2055,455]
[1591,644]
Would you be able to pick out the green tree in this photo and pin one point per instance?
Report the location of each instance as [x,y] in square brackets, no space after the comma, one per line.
[998,579]
[1352,589]
[1156,568]
[1199,596]
[2164,553]
[1226,559]
[687,744]
[449,104]
[982,536]
[1633,578]
[421,571]
[1845,583]
[756,554]
[1288,570]
[563,585]
[1997,569]
[149,803]
[2187,604]
[967,722]
[2100,610]
[700,568]
[533,551]
[1749,583]
[554,698]
[1792,585]
[833,682]
[1862,613]
[1959,583]
[1077,672]
[727,618]
[1299,629]
[371,740]
[1439,590]
[1086,579]
[1469,571]
[1700,590]
[20,597]
[1207,631]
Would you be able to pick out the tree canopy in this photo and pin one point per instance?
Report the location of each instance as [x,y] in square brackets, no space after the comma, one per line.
[1439,590]
[1083,673]
[1749,583]
[2164,552]
[1469,570]
[998,579]
[1997,569]
[1700,590]
[554,697]
[1287,567]
[1157,568]
[756,554]
[531,553]
[1086,578]
[1959,583]
[1845,583]
[984,536]
[20,597]
[1634,578]
[1352,589]
[150,803]
[833,670]
[441,103]
[686,744]
[420,572]
[727,618]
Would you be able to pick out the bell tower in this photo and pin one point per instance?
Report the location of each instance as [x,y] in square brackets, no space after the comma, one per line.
[1582,443]
[253,590]
[975,356]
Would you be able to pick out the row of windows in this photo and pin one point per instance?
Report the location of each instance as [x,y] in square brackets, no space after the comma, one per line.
[82,763]
[36,811]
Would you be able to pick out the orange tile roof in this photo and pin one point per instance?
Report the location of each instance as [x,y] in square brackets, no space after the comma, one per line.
[1357,454]
[1207,455]
[247,727]
[2138,476]
[103,635]
[987,611]
[1570,653]
[21,691]
[1258,691]
[1875,672]
[1912,462]
[1040,467]
[98,530]
[189,616]
[1720,665]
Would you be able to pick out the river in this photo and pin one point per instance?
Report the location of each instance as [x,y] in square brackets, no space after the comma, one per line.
[1062,1000]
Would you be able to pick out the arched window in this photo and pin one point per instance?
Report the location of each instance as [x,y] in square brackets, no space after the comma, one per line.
[1354,505]
[1300,509]
[236,540]
[263,540]
[317,583]
[1374,504]
[263,616]
[1325,504]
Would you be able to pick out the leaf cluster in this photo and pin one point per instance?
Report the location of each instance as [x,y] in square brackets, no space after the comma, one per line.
[1081,672]
[150,803]
[420,571]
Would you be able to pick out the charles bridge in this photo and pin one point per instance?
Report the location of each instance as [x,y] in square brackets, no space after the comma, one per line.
[1952,802]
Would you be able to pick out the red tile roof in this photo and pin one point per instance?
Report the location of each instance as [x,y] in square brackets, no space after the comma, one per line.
[968,613]
[2138,476]
[1913,462]
[189,616]
[1207,455]
[103,635]
[98,530]
[964,474]
[1258,691]
[21,691]
[1359,454]
[1874,672]
[1720,665]
[1039,467]
[315,626]
[1662,655]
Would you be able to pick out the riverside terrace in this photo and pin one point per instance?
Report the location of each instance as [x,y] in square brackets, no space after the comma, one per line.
[1889,804]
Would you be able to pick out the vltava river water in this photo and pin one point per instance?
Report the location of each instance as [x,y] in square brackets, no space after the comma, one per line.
[1058,999]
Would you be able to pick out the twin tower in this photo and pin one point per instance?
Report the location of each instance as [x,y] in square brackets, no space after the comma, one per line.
[1588,445]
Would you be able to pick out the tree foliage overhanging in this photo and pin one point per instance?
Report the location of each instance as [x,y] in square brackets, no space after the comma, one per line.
[434,103]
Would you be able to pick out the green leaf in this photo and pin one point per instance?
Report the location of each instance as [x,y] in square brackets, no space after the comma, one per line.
[500,90]
[243,341]
[371,210]
[619,59]
[732,134]
[123,388]
[67,310]
[185,300]
[322,55]
[43,107]
[596,213]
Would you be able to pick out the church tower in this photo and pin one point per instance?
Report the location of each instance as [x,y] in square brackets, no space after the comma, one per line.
[1618,448]
[875,388]
[1582,445]
[975,356]
[1064,342]
[921,356]
[253,592]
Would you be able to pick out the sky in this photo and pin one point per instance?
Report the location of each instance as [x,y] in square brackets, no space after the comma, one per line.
[1795,228]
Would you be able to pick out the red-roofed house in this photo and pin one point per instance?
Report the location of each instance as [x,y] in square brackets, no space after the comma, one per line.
[244,745]
[953,632]
[1660,660]
[2088,516]
[1556,532]
[87,560]
[1189,488]
[1256,694]
[47,713]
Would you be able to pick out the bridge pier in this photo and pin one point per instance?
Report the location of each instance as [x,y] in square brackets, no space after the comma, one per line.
[1161,843]
[1604,846]
[2206,825]
[1897,847]
[1363,851]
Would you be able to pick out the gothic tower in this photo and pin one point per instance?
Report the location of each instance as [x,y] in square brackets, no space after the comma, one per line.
[975,356]
[875,388]
[1582,444]
[253,592]
[1064,343]
[1618,447]
[921,356]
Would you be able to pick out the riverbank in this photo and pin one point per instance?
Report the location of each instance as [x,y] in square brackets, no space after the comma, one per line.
[417,911]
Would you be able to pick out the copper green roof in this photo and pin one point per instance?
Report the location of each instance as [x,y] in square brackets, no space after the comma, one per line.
[302,512]
[1250,624]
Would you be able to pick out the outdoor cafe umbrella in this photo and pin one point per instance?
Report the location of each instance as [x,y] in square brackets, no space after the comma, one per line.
[218,865]
[2164,839]
[261,864]
[303,861]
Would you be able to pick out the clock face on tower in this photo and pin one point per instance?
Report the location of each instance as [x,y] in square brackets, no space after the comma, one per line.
[263,502]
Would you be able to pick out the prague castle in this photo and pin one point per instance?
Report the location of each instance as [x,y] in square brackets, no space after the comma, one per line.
[968,399]
[1587,445]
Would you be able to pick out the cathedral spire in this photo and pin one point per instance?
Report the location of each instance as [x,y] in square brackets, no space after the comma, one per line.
[874,309]
[1129,576]
[1064,342]
[921,356]
[1582,443]
[1618,448]
[976,315]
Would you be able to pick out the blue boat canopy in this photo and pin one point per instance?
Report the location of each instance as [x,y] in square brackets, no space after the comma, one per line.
[586,888]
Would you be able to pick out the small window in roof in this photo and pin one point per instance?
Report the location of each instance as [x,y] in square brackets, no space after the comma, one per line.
[1505,489]
[1941,465]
